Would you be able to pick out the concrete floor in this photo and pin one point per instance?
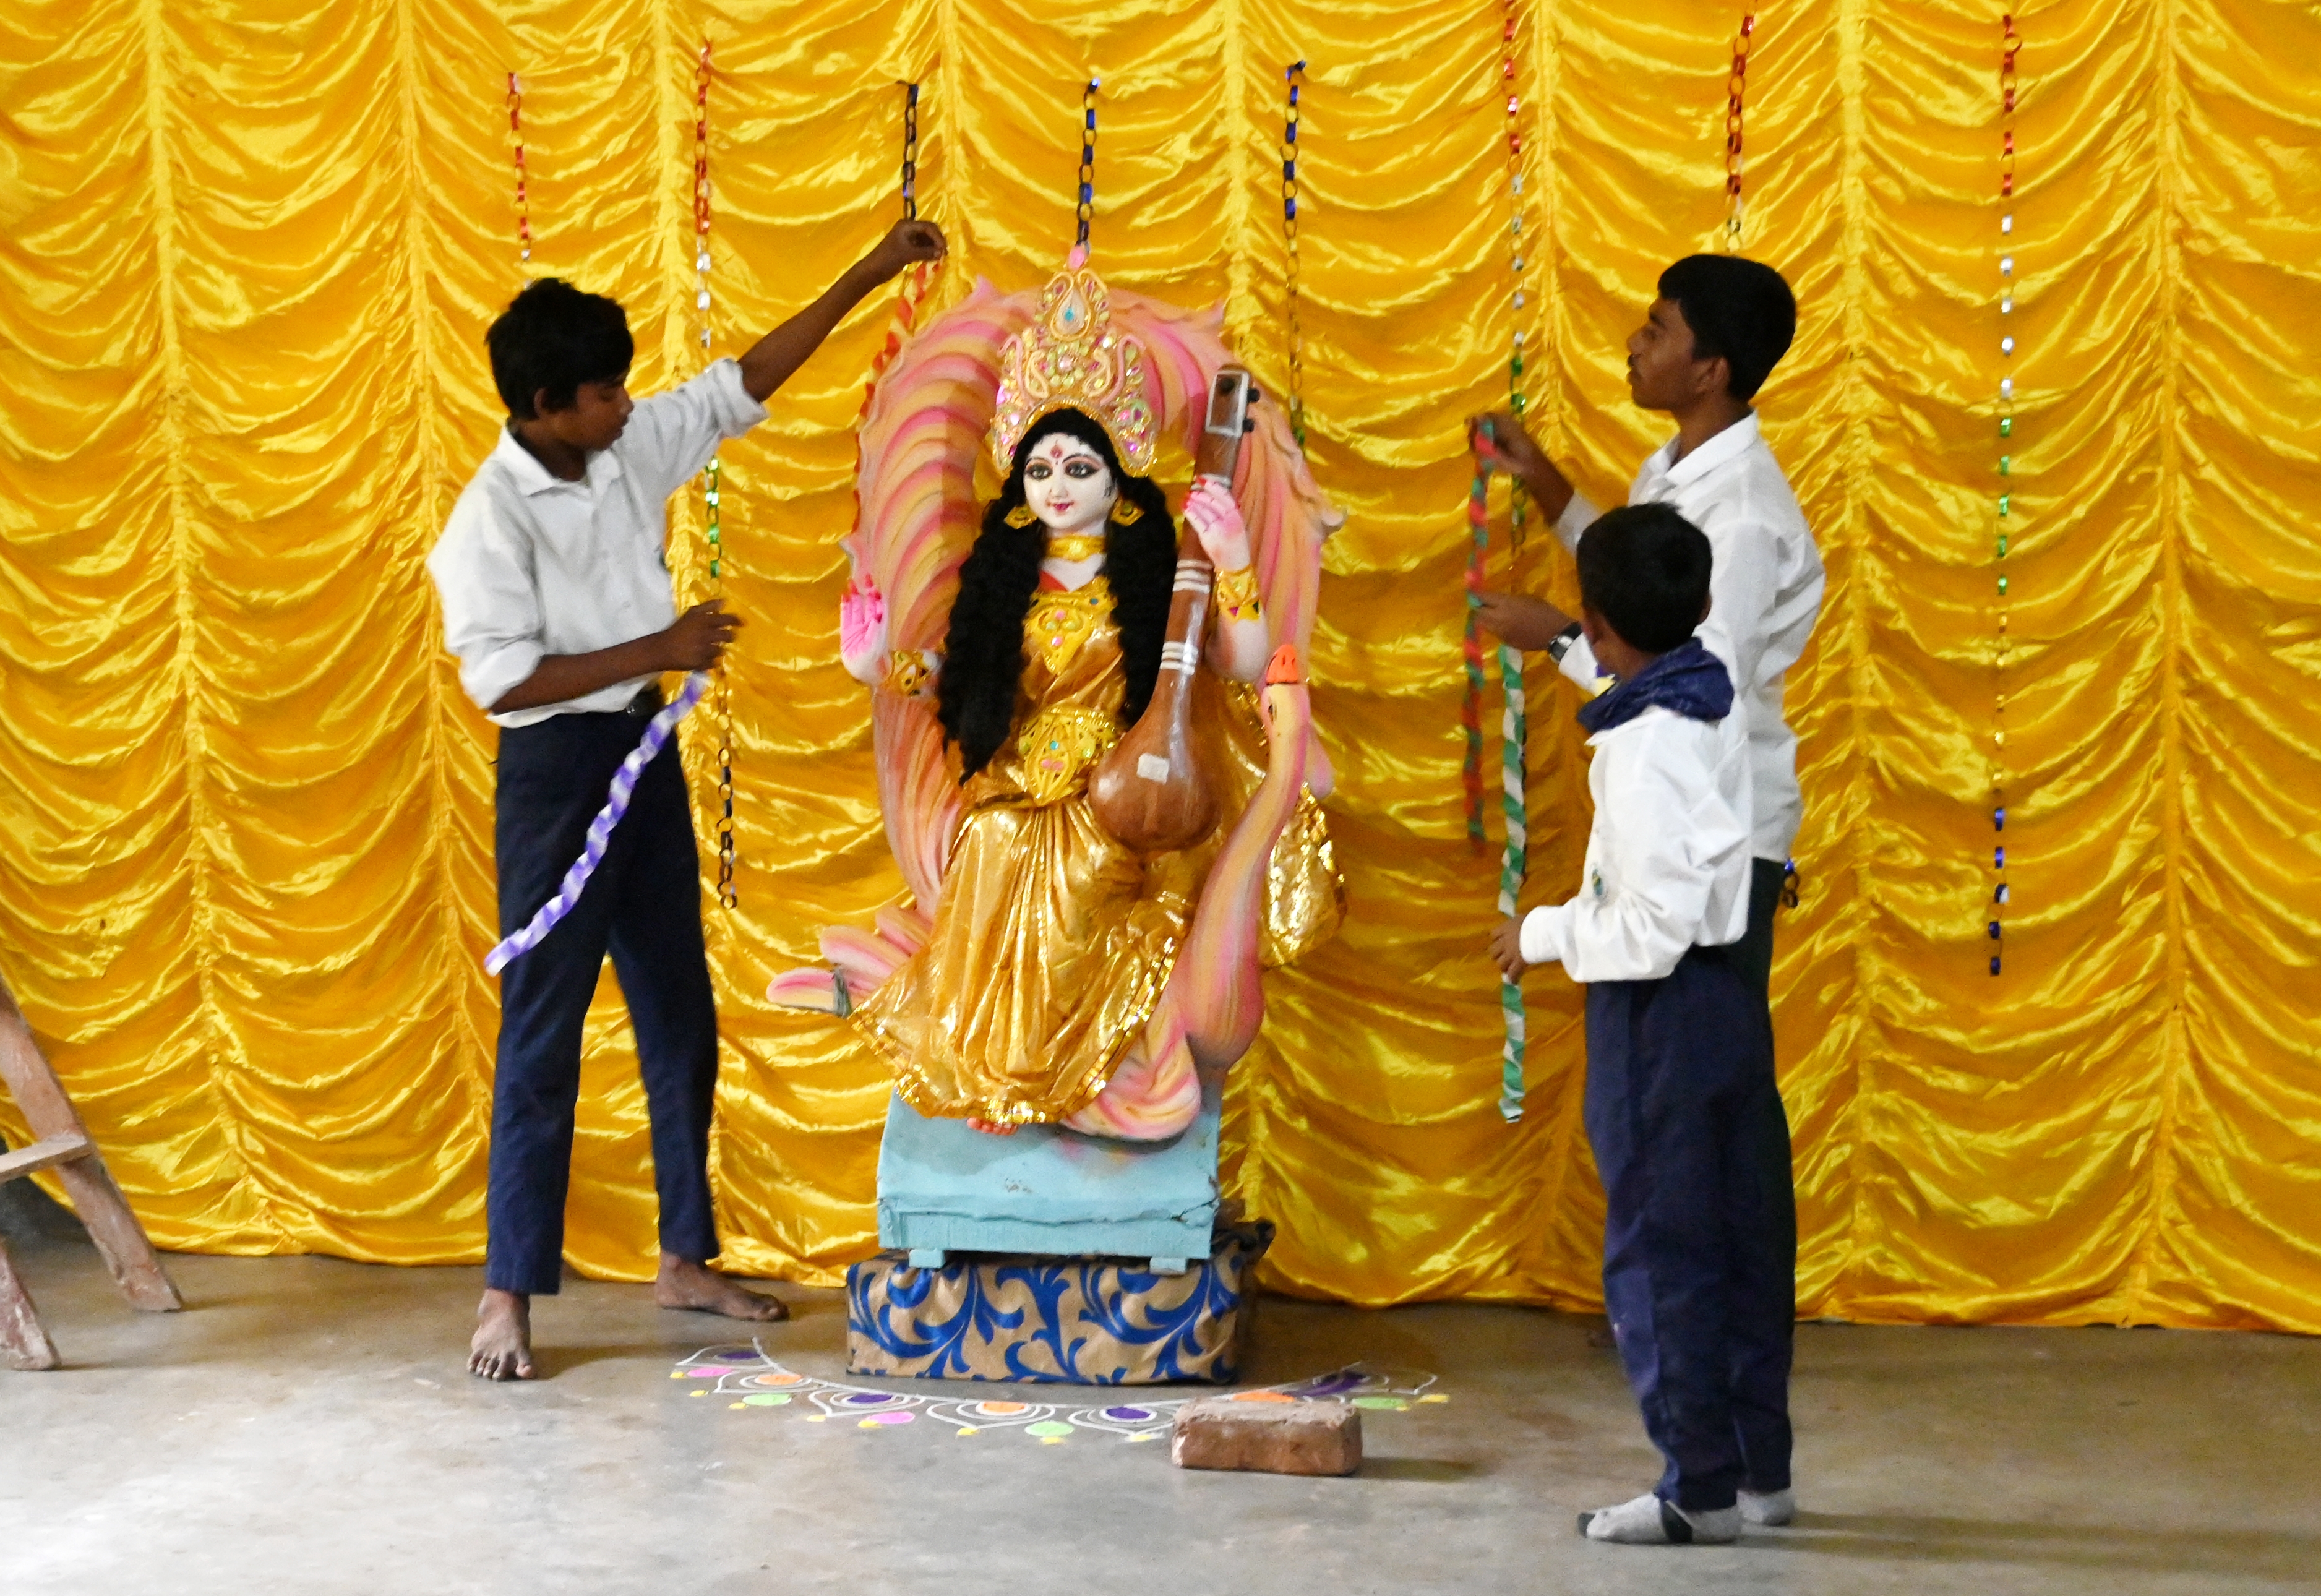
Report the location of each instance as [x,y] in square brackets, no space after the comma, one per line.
[306,1426]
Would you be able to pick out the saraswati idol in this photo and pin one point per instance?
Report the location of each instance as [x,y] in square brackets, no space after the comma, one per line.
[1095,746]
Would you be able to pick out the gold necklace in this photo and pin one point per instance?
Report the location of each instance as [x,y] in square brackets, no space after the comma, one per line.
[1075,545]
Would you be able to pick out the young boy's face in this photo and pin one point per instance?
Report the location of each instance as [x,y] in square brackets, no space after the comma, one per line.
[596,418]
[1664,370]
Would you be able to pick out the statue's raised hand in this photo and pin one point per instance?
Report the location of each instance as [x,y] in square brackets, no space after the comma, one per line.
[1216,520]
[862,630]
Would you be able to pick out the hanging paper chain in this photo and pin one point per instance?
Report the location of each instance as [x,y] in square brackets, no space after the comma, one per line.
[910,152]
[522,195]
[1088,161]
[1295,76]
[913,284]
[2009,43]
[1514,731]
[1736,83]
[600,829]
[1515,251]
[1470,706]
[711,489]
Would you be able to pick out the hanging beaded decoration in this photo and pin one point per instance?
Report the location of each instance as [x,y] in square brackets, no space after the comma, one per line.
[1514,732]
[2010,42]
[914,289]
[711,494]
[1088,161]
[522,194]
[1736,83]
[1295,76]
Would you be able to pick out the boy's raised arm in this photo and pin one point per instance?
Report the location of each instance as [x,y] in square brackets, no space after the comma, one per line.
[772,358]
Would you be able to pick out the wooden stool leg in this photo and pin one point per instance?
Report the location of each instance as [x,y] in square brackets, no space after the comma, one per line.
[120,1239]
[23,1344]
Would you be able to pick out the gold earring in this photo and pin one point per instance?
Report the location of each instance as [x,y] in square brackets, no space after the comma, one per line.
[1022,515]
[1126,512]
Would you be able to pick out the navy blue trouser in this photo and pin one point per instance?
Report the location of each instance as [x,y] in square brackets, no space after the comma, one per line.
[1700,1227]
[643,907]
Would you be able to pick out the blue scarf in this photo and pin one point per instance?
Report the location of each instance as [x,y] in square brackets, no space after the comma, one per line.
[1688,678]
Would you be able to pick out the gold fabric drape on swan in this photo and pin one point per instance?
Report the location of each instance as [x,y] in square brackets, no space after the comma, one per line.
[250,249]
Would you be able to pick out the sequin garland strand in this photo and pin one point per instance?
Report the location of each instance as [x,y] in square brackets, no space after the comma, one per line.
[1294,333]
[600,829]
[522,186]
[712,485]
[1736,84]
[2008,44]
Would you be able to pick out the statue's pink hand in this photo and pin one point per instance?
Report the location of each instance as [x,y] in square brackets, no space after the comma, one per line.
[862,630]
[1216,521]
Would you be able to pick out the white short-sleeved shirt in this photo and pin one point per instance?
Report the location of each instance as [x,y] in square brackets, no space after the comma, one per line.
[531,565]
[1667,855]
[1765,594]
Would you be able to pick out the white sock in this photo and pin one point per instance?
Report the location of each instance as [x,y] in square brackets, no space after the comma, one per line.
[1769,1507]
[1648,1521]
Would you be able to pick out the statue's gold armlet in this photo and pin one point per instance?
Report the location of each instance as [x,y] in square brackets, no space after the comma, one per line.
[1237,597]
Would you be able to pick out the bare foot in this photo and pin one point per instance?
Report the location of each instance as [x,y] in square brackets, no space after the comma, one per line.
[683,1283]
[989,1127]
[502,1349]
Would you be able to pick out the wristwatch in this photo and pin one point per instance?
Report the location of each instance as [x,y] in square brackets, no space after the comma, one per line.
[1561,644]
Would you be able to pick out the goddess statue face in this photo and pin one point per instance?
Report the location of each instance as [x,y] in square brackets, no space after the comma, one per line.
[1068,485]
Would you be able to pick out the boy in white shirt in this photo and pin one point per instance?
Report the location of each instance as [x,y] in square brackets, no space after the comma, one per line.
[556,598]
[1711,337]
[1688,1128]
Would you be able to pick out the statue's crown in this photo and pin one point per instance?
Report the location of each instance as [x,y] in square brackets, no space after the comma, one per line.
[1070,358]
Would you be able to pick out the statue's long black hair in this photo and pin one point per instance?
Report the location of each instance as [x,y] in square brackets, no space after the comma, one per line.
[983,652]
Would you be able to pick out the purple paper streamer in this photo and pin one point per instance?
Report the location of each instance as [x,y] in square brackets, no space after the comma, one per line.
[600,829]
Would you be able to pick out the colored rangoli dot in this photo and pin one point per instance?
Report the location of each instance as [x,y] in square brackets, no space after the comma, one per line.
[967,1429]
[1129,1415]
[1048,1429]
[891,1417]
[1436,1398]
[997,1409]
[1262,1396]
[1390,1404]
[709,1372]
[766,1398]
[871,1399]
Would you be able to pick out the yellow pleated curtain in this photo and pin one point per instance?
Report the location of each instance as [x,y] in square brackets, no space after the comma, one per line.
[245,813]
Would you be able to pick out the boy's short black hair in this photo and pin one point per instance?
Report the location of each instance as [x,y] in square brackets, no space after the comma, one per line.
[1644,570]
[555,337]
[1740,309]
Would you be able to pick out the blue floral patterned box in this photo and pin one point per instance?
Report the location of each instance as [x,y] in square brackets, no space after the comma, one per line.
[1081,1321]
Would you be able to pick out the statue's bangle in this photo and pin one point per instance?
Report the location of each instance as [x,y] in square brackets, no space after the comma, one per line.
[1561,644]
[1237,597]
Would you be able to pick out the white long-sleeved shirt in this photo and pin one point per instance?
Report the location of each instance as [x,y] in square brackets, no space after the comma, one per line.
[1668,856]
[531,565]
[1765,594]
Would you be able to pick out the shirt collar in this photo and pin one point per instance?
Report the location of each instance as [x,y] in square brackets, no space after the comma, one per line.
[1727,445]
[532,477]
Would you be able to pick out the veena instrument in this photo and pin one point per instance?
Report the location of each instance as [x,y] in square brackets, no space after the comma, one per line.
[1154,790]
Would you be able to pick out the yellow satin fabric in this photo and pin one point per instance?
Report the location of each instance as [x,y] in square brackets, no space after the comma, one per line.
[1052,941]
[245,877]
